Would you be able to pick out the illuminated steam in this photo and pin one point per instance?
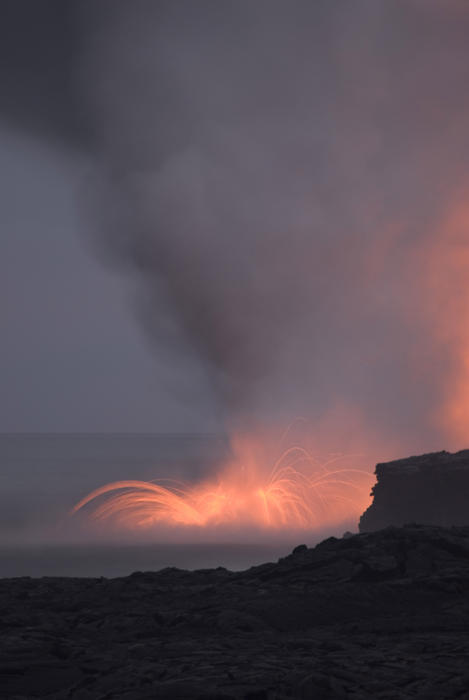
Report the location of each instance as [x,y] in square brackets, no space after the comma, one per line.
[299,493]
[286,182]
[276,176]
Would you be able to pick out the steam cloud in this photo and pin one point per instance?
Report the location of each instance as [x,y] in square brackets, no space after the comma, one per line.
[286,181]
[279,174]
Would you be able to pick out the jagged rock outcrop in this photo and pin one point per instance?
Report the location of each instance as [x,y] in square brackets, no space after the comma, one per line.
[377,615]
[430,489]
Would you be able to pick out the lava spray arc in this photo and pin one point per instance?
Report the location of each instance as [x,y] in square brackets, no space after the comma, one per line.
[298,493]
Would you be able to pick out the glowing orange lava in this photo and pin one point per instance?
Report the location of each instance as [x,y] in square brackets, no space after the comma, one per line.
[299,493]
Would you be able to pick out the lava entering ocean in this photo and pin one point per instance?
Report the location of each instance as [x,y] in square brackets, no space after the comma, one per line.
[299,493]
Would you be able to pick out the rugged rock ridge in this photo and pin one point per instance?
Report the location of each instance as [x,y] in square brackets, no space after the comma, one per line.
[431,489]
[382,615]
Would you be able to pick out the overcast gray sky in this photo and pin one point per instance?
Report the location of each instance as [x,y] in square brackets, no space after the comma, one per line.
[73,356]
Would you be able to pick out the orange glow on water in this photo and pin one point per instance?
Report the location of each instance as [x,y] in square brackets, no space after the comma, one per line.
[299,493]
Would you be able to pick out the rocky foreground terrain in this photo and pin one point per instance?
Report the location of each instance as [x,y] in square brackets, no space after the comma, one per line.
[378,615]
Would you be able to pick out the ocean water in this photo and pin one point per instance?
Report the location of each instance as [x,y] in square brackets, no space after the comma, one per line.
[43,475]
[120,560]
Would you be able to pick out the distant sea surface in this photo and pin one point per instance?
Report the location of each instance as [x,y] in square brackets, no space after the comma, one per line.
[43,475]
[113,560]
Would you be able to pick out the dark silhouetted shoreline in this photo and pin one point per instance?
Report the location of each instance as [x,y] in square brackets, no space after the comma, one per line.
[376,615]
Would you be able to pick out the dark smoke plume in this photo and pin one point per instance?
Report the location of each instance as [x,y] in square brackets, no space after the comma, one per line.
[276,170]
[274,173]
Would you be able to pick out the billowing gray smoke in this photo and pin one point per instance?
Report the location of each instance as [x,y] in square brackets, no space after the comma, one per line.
[270,171]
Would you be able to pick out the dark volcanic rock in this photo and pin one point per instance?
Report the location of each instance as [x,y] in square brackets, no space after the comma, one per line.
[432,489]
[378,615]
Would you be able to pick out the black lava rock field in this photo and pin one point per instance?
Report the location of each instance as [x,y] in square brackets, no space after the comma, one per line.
[369,616]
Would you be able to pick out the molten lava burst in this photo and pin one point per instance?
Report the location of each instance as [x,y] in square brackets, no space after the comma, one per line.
[299,493]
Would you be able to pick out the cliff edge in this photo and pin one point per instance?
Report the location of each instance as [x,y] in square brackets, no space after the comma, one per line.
[431,489]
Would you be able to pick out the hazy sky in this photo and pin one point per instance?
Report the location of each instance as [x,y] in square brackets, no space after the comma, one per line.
[72,356]
[234,213]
